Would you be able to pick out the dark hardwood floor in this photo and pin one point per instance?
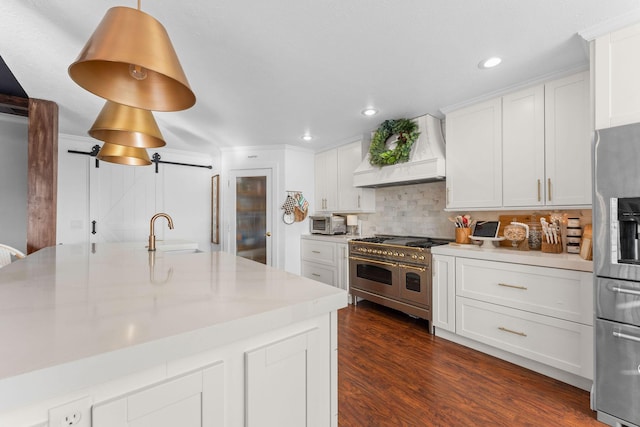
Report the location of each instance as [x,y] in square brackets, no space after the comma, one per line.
[392,372]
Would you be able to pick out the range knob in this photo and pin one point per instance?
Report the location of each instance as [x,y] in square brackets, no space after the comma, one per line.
[385,253]
[379,252]
[414,256]
[369,251]
[401,254]
[395,254]
[421,257]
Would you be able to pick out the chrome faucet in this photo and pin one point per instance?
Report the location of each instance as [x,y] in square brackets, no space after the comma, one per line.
[152,236]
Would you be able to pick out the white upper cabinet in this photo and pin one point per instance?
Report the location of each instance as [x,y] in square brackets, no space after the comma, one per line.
[326,177]
[474,156]
[350,198]
[568,134]
[617,86]
[527,149]
[523,147]
[334,181]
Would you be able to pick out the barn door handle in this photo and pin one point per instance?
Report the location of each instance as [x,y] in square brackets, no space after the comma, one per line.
[93,227]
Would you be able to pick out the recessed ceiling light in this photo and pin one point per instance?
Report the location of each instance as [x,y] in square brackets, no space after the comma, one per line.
[306,137]
[490,63]
[369,112]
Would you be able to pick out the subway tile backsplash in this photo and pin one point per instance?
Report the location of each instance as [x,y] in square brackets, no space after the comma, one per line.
[418,210]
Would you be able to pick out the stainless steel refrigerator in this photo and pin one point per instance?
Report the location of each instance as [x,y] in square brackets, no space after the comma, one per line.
[616,256]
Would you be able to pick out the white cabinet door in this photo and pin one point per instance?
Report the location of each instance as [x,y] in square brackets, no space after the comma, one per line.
[444,292]
[474,156]
[617,87]
[326,177]
[523,147]
[568,141]
[192,400]
[554,292]
[326,262]
[554,342]
[279,378]
[342,262]
[318,251]
[322,273]
[350,198]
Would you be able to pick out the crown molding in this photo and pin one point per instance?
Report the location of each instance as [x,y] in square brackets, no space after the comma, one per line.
[610,25]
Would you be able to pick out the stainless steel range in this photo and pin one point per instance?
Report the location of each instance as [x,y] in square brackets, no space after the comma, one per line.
[394,271]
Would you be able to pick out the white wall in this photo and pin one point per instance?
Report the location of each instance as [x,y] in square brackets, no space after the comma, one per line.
[299,176]
[183,192]
[13,180]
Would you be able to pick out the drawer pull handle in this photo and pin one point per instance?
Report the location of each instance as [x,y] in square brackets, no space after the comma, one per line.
[626,336]
[371,261]
[315,274]
[502,328]
[316,252]
[506,285]
[412,267]
[625,291]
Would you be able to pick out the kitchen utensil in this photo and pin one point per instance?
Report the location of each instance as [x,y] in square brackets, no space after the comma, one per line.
[462,235]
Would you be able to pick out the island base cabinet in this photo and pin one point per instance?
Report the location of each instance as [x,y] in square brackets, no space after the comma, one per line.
[283,377]
[559,343]
[191,400]
[280,381]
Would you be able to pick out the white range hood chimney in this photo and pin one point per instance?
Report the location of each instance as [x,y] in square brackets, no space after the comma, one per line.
[426,162]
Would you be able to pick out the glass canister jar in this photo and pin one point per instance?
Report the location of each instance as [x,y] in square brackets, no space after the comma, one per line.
[535,233]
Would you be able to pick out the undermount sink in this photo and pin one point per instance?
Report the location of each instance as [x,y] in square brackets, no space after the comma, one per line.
[177,246]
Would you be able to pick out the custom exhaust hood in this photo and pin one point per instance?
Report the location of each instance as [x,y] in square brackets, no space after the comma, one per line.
[426,162]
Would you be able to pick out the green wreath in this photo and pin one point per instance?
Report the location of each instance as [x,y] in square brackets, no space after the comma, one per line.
[407,132]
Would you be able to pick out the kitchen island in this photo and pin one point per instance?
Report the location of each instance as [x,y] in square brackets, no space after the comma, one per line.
[208,336]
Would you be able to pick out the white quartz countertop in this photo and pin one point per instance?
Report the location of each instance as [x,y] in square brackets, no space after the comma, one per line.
[88,303]
[538,258]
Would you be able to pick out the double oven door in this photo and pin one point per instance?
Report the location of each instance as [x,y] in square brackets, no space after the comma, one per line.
[408,283]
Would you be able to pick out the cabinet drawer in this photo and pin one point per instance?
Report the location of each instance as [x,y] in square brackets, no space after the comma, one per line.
[317,251]
[565,294]
[320,272]
[554,342]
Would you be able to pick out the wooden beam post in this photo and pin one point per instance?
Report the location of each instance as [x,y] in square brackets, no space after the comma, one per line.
[43,174]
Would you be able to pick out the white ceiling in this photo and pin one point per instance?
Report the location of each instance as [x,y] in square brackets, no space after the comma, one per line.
[265,72]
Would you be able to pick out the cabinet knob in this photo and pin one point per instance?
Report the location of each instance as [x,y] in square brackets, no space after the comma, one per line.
[268,234]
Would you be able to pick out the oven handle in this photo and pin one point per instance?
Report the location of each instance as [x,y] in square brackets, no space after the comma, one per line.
[625,291]
[626,336]
[413,267]
[391,264]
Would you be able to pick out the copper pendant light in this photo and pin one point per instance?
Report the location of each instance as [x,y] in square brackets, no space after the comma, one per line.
[123,155]
[129,59]
[123,125]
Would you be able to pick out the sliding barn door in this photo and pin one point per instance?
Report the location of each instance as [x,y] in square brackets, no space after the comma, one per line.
[122,201]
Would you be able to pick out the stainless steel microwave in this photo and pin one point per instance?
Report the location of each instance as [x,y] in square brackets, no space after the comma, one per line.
[327,224]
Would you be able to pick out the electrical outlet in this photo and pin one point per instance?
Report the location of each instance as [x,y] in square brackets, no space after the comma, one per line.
[72,414]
